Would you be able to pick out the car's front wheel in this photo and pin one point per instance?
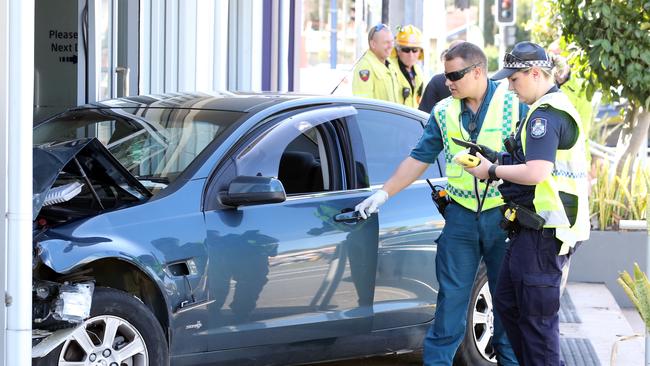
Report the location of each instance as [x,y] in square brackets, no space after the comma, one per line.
[121,330]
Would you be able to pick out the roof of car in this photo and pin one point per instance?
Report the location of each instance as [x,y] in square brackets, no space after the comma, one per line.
[233,101]
[226,101]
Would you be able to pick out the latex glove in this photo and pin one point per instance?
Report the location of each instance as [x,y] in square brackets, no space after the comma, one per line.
[371,204]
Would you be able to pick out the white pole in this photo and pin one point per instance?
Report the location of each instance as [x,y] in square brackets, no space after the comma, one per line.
[4,86]
[502,44]
[647,271]
[19,195]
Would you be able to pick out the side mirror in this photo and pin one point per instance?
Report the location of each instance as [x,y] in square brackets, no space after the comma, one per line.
[252,190]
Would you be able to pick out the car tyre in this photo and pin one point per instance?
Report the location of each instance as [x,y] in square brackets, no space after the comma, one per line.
[476,348]
[135,336]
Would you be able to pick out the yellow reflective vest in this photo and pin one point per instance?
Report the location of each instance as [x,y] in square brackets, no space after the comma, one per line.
[500,120]
[373,79]
[414,96]
[569,176]
[575,91]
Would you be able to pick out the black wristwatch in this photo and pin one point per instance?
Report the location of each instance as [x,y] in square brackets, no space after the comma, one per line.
[492,172]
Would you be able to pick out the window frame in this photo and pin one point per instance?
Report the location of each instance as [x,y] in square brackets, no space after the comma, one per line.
[422,121]
[327,117]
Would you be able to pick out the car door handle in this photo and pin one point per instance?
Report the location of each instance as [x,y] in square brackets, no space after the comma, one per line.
[349,217]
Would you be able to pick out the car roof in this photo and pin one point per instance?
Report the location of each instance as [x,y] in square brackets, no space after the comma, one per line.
[234,101]
[225,101]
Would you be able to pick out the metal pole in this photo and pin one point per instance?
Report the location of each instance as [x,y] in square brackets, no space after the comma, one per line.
[481,17]
[18,299]
[647,271]
[4,129]
[333,26]
[502,44]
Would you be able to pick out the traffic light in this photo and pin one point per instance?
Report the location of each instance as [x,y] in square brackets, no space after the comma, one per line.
[505,12]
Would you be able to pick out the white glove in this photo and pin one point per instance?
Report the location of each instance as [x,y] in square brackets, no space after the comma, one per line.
[371,204]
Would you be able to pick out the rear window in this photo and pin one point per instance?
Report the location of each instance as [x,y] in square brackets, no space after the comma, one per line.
[155,145]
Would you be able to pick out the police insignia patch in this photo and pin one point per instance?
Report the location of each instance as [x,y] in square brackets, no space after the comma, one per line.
[538,128]
[364,74]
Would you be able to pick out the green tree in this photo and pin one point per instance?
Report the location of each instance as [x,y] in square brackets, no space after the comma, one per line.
[541,26]
[613,55]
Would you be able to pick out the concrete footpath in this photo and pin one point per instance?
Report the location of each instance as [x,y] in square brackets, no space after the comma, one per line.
[603,326]
[593,328]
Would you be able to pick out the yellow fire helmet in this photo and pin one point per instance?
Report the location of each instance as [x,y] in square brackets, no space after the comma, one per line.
[409,36]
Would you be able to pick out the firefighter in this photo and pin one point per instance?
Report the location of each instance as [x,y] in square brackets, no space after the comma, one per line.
[374,76]
[406,56]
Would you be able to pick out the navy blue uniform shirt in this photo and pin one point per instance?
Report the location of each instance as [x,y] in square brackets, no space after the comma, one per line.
[430,144]
[548,130]
[435,91]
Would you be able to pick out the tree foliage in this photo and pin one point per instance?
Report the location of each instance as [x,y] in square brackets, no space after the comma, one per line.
[542,26]
[614,46]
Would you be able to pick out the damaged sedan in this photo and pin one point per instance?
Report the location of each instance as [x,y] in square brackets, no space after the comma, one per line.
[196,229]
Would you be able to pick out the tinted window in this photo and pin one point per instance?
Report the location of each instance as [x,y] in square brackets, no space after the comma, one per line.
[155,146]
[388,139]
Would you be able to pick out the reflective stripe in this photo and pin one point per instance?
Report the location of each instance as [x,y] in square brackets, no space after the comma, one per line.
[568,174]
[461,193]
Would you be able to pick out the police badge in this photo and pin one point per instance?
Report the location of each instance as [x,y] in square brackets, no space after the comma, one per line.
[364,75]
[538,128]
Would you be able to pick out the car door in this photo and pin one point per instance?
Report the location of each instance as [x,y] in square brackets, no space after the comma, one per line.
[291,271]
[409,223]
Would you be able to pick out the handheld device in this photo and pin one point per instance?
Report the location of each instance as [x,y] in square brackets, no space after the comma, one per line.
[467,160]
[489,154]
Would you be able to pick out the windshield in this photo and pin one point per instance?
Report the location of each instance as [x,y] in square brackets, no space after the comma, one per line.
[155,146]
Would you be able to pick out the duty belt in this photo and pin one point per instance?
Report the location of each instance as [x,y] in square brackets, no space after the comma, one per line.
[519,216]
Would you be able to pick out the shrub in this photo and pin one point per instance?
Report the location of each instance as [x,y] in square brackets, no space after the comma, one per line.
[615,198]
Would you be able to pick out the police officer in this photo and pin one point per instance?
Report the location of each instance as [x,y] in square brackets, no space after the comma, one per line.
[545,188]
[406,55]
[478,111]
[374,76]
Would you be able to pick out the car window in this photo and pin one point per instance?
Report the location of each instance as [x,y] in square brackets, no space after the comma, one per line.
[301,152]
[388,139]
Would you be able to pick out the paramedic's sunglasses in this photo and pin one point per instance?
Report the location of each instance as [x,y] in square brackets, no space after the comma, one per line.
[409,49]
[457,75]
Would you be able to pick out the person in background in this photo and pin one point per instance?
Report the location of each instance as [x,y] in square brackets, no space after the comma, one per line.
[480,112]
[545,190]
[374,76]
[406,55]
[436,89]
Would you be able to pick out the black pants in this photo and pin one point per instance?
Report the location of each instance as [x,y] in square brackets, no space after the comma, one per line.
[527,296]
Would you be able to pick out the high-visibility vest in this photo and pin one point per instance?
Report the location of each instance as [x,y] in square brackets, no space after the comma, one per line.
[569,176]
[574,89]
[373,79]
[415,94]
[500,120]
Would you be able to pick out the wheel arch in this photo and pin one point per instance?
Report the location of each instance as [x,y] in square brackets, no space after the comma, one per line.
[131,280]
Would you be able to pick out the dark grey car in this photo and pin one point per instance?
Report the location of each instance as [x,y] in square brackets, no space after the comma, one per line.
[218,229]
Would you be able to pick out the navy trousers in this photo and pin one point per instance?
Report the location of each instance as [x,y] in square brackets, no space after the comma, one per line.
[462,244]
[527,296]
